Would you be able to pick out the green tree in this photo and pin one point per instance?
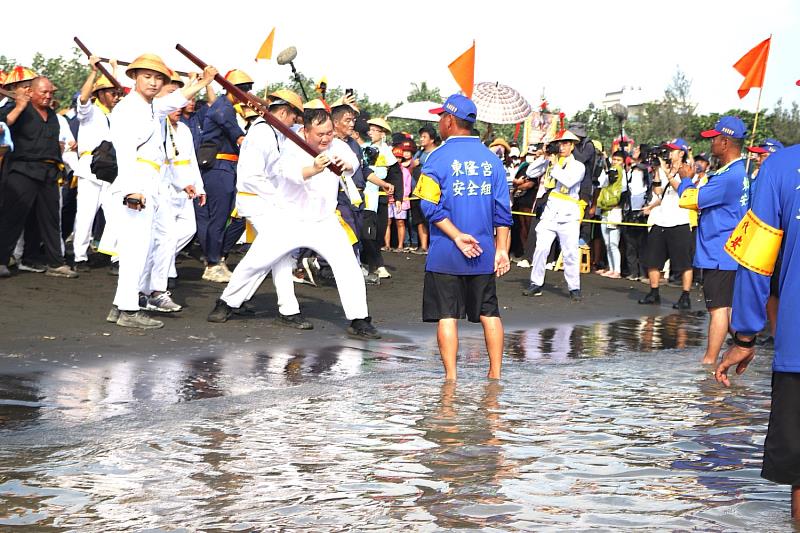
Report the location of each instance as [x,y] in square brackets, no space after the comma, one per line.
[7,63]
[420,92]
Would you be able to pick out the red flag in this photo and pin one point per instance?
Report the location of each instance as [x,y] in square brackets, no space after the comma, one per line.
[463,70]
[752,66]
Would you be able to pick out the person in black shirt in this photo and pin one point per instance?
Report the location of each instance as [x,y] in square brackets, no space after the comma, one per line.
[31,174]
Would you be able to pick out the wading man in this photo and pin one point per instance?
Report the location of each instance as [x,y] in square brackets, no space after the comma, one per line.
[464,196]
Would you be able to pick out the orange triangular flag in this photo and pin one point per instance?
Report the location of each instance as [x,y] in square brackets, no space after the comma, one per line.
[463,70]
[752,66]
[265,52]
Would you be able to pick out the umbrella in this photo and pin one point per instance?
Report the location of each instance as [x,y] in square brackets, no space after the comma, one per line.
[499,104]
[416,111]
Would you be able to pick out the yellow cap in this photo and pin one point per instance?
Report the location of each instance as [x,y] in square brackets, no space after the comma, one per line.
[149,62]
[290,97]
[238,77]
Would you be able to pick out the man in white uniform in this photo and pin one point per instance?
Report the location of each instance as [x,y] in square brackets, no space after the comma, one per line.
[561,218]
[140,197]
[95,127]
[305,216]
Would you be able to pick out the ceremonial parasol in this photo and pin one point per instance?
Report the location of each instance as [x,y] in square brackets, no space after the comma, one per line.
[499,104]
[416,111]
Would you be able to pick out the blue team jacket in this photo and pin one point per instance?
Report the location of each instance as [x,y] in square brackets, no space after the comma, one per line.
[465,182]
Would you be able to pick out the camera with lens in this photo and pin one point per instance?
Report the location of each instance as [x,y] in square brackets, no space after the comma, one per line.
[552,148]
[370,155]
[656,154]
[613,175]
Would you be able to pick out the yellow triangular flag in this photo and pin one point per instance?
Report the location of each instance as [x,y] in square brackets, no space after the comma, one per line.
[265,52]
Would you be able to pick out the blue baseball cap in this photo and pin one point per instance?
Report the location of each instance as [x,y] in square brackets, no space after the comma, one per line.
[677,144]
[459,106]
[769,146]
[727,125]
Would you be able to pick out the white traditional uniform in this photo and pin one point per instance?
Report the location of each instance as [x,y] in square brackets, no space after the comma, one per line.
[561,218]
[258,175]
[95,127]
[181,171]
[138,132]
[304,216]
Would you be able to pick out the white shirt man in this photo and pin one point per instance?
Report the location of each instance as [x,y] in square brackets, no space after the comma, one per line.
[305,216]
[561,218]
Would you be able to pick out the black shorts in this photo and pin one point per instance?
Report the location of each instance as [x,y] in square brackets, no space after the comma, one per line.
[718,287]
[782,447]
[451,296]
[675,243]
[417,216]
[775,280]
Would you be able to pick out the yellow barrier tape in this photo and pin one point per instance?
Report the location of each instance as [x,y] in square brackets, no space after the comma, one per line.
[591,221]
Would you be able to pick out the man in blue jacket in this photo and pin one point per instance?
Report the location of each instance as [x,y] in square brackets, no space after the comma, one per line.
[464,196]
[722,203]
[772,225]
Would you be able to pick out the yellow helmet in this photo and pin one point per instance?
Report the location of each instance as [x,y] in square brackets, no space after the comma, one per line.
[238,77]
[149,62]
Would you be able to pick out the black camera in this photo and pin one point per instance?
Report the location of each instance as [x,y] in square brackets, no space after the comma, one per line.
[552,148]
[613,175]
[370,155]
[656,154]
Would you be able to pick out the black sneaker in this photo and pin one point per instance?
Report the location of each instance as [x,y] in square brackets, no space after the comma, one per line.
[575,295]
[533,290]
[113,270]
[362,328]
[221,313]
[82,266]
[652,298]
[246,309]
[296,321]
[683,303]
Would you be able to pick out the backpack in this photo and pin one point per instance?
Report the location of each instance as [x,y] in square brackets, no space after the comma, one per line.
[104,162]
[611,194]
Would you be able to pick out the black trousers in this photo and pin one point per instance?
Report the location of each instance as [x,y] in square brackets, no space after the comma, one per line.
[20,194]
[635,242]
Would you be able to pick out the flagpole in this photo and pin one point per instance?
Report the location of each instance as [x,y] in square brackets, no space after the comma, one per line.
[755,125]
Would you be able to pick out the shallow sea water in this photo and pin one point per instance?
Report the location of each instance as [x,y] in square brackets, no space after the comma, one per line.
[608,426]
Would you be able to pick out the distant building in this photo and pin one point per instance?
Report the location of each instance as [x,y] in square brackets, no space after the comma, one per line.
[634,98]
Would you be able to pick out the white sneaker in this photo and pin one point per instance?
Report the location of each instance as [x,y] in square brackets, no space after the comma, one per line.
[225,268]
[162,303]
[524,263]
[383,273]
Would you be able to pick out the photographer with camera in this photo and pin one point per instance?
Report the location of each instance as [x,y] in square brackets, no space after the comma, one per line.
[562,215]
[670,236]
[636,194]
[523,195]
[609,202]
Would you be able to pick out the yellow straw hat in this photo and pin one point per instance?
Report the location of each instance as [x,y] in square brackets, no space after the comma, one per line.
[381,123]
[176,78]
[290,97]
[149,62]
[340,102]
[238,77]
[19,74]
[102,83]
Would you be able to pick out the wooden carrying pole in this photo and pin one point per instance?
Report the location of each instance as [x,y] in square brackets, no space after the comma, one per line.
[255,104]
[100,67]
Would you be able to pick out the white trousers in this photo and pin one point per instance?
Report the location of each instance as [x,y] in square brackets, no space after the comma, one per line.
[282,235]
[139,238]
[90,194]
[568,234]
[183,228]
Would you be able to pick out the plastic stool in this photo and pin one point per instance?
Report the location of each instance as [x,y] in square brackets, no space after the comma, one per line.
[585,259]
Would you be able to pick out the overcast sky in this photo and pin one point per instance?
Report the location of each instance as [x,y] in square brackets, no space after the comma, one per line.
[576,51]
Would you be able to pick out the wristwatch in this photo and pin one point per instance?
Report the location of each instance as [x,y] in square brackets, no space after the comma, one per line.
[743,344]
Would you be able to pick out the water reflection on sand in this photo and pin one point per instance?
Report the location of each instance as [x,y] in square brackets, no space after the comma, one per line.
[609,425]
